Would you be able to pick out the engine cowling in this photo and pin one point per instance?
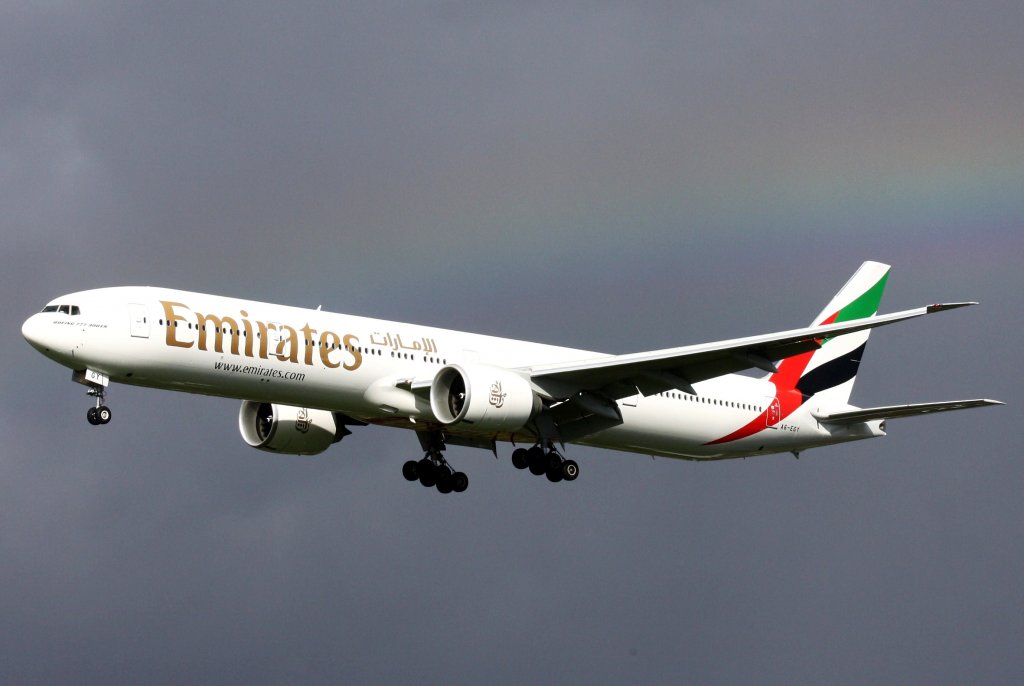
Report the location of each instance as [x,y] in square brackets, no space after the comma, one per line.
[287,429]
[482,398]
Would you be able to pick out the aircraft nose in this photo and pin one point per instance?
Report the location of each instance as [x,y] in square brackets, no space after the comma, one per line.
[30,331]
[34,332]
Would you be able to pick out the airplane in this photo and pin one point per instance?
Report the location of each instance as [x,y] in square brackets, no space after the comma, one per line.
[305,376]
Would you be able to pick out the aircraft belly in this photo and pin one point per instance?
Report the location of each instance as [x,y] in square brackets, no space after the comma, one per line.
[690,432]
[660,431]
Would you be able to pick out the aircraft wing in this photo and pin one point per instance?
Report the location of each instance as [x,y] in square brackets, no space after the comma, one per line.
[898,411]
[622,376]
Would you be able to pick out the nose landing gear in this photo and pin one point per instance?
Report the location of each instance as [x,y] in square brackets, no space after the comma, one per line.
[100,414]
[97,383]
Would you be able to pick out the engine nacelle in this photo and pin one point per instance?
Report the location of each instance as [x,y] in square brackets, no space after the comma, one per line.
[482,398]
[287,429]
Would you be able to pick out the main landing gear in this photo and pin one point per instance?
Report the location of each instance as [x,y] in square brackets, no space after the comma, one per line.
[433,471]
[547,462]
[100,414]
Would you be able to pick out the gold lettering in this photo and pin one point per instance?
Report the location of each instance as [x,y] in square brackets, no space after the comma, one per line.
[264,338]
[247,327]
[328,341]
[293,344]
[172,318]
[219,323]
[285,337]
[309,343]
[357,357]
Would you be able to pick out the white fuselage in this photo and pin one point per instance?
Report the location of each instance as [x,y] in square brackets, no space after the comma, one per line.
[362,367]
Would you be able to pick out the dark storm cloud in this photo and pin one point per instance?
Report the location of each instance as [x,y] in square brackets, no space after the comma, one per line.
[618,178]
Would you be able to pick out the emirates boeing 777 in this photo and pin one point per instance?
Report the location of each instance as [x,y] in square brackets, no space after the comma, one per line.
[305,376]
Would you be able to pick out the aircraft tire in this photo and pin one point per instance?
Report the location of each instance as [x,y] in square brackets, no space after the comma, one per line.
[103,415]
[460,482]
[554,460]
[537,461]
[570,470]
[427,473]
[91,416]
[554,474]
[410,470]
[520,458]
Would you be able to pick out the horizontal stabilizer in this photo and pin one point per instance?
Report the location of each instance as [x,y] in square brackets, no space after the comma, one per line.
[898,411]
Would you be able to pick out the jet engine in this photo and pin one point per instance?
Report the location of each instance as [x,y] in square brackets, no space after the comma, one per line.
[482,398]
[287,429]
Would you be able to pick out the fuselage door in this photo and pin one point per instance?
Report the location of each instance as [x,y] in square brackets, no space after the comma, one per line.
[275,339]
[773,412]
[139,320]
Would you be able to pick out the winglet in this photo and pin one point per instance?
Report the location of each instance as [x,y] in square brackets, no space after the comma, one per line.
[941,307]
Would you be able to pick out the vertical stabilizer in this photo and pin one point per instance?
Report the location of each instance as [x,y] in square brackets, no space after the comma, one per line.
[826,374]
[829,372]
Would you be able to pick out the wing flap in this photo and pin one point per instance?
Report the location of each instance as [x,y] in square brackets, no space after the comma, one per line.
[899,411]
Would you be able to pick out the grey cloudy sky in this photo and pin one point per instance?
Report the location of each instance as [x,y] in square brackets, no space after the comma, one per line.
[615,177]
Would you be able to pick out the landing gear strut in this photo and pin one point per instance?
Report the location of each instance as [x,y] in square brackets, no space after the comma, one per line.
[433,470]
[97,383]
[548,463]
[100,414]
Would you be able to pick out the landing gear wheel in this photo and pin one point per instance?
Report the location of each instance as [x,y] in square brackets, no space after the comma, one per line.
[570,470]
[410,470]
[520,459]
[460,482]
[99,413]
[427,473]
[443,475]
[537,460]
[554,474]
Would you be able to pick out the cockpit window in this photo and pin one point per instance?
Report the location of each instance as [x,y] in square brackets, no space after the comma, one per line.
[72,310]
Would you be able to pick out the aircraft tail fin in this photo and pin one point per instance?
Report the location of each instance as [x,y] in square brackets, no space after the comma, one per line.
[830,371]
